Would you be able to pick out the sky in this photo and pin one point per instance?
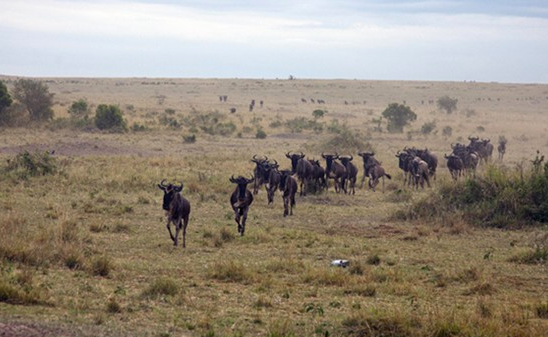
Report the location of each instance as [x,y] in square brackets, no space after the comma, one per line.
[470,40]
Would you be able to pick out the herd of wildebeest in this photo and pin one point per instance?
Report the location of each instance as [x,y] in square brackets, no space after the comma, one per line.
[418,166]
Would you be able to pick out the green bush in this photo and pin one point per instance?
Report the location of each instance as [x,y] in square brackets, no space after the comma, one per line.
[428,127]
[32,164]
[501,198]
[109,117]
[260,134]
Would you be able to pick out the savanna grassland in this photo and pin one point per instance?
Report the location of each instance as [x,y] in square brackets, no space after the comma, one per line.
[84,249]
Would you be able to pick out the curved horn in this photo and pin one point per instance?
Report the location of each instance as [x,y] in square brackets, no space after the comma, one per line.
[232,180]
[445,156]
[178,188]
[350,159]
[275,162]
[162,186]
[323,155]
[288,154]
[301,155]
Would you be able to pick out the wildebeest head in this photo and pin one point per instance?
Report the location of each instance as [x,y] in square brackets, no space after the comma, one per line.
[283,178]
[329,158]
[368,158]
[242,185]
[346,159]
[169,193]
[294,157]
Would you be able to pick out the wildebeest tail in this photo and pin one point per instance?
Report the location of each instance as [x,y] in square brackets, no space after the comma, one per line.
[388,176]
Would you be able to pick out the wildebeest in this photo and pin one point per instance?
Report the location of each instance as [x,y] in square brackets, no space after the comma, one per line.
[430,158]
[351,173]
[501,148]
[373,169]
[177,209]
[288,186]
[301,167]
[483,148]
[405,160]
[335,171]
[454,165]
[260,173]
[318,175]
[420,172]
[469,157]
[240,200]
[273,181]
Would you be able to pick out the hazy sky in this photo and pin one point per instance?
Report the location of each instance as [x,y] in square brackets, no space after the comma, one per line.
[490,40]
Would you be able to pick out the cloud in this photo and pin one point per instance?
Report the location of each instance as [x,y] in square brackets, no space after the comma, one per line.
[318,35]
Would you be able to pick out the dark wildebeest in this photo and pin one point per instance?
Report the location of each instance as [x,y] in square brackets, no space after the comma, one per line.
[420,173]
[483,148]
[454,165]
[501,148]
[335,171]
[405,163]
[351,173]
[318,175]
[431,159]
[368,164]
[302,168]
[177,209]
[259,173]
[273,181]
[469,157]
[288,186]
[240,200]
[373,170]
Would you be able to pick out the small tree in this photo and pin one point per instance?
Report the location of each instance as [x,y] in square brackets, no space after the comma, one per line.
[318,113]
[79,109]
[447,103]
[36,97]
[398,116]
[109,117]
[5,98]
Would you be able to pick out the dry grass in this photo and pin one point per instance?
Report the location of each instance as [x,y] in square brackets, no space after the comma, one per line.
[88,245]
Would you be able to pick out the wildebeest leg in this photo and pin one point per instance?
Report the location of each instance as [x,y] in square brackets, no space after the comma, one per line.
[185,223]
[169,229]
[244,218]
[286,205]
[237,219]
[177,224]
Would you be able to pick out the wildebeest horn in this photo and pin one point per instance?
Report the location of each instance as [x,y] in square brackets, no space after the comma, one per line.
[275,162]
[162,186]
[301,155]
[350,159]
[445,155]
[288,154]
[232,180]
[323,155]
[178,188]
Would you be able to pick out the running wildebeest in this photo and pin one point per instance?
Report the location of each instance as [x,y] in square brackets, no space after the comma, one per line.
[351,173]
[335,171]
[177,210]
[240,200]
[302,168]
[288,186]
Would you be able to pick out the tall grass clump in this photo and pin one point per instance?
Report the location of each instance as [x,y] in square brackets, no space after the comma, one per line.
[26,164]
[500,198]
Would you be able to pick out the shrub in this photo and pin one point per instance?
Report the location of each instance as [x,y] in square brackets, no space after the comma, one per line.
[162,287]
[499,199]
[101,266]
[428,127]
[398,116]
[109,117]
[447,104]
[79,109]
[447,131]
[260,134]
[35,96]
[319,113]
[542,310]
[190,139]
[37,164]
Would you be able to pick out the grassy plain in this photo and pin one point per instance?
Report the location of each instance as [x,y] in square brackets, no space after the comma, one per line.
[85,251]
